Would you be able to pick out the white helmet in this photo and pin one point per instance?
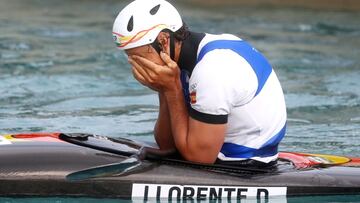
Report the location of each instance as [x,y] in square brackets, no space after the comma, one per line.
[140,22]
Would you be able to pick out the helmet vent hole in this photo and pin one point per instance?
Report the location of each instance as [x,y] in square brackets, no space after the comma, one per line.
[130,25]
[154,10]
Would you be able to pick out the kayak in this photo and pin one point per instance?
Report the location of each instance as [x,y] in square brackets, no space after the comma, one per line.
[85,165]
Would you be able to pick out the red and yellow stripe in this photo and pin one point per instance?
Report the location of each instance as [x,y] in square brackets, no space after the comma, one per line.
[122,41]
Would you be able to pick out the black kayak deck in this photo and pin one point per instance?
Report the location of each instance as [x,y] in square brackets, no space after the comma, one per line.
[37,166]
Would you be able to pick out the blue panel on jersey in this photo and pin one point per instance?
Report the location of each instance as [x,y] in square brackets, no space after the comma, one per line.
[257,61]
[184,77]
[270,148]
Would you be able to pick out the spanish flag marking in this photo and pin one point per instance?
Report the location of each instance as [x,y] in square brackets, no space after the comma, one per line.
[193,97]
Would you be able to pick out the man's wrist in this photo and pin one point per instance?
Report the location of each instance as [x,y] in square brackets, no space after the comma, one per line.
[174,96]
[174,88]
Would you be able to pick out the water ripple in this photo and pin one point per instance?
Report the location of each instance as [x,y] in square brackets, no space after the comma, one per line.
[77,104]
[14,46]
[331,29]
[55,33]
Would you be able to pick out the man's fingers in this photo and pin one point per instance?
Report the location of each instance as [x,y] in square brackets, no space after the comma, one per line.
[139,68]
[142,80]
[169,62]
[149,65]
[138,76]
[166,58]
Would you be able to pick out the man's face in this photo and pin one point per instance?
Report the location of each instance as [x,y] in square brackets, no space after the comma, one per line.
[146,51]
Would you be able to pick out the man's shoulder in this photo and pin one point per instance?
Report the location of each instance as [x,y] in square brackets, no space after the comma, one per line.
[214,37]
[218,57]
[222,61]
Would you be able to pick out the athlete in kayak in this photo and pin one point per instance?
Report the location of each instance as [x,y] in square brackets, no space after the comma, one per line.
[220,99]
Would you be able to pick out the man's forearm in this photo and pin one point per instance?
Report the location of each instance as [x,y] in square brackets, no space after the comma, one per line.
[162,130]
[179,118]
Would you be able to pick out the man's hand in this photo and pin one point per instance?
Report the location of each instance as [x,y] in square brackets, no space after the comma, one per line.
[161,78]
[196,141]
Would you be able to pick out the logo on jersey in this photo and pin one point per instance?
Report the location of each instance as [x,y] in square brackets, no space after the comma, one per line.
[193,97]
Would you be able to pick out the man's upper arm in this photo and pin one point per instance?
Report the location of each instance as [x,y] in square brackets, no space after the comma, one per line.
[217,85]
[205,141]
[211,97]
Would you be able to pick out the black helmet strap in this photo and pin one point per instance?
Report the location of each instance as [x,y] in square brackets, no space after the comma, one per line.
[172,46]
[156,45]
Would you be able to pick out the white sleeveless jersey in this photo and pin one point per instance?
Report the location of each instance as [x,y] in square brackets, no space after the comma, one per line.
[233,83]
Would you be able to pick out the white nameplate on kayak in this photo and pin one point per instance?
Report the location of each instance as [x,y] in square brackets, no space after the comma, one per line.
[4,141]
[150,191]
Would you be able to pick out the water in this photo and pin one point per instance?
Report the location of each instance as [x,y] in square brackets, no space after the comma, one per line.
[60,71]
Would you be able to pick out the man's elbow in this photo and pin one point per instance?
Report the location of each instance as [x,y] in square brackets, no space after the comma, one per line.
[165,145]
[198,157]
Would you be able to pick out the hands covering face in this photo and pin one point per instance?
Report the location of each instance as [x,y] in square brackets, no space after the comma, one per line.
[161,78]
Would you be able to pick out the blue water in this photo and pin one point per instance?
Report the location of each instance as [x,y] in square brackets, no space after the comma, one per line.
[60,71]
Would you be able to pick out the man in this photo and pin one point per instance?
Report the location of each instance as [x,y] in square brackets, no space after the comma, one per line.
[220,100]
